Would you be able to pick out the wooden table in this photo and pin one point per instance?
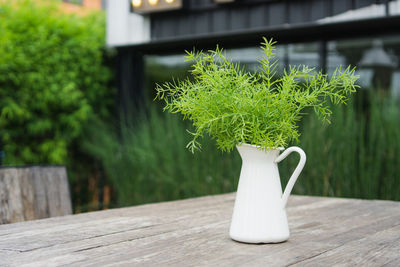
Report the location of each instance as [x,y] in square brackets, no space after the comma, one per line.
[194,232]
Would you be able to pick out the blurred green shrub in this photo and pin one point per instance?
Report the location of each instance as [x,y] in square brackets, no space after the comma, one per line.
[356,156]
[52,77]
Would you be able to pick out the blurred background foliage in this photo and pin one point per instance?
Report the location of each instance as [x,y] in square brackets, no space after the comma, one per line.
[54,76]
[148,160]
[57,107]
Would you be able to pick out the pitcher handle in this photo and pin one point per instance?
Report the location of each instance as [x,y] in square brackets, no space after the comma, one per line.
[296,172]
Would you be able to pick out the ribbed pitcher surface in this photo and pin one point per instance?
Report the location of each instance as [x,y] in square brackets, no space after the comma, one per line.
[259,214]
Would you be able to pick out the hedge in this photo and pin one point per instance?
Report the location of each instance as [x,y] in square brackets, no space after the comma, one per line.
[52,79]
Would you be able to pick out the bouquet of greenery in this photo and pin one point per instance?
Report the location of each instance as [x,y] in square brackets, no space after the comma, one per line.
[235,106]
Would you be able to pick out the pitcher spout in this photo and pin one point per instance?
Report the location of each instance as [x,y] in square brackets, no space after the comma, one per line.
[255,153]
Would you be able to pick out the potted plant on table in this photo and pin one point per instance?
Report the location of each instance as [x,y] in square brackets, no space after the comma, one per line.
[258,114]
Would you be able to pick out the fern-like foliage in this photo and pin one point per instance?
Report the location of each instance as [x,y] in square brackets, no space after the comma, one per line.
[235,106]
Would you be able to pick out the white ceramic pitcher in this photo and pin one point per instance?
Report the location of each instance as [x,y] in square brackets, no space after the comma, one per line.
[259,215]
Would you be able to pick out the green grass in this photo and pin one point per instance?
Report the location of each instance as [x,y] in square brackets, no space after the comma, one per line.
[149,162]
[357,156]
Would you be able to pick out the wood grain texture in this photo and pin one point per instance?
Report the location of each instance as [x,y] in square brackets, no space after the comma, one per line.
[194,232]
[28,193]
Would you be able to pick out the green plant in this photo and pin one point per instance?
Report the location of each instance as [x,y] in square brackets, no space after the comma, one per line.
[235,106]
[52,78]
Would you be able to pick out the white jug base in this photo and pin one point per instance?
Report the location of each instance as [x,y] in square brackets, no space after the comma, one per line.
[270,240]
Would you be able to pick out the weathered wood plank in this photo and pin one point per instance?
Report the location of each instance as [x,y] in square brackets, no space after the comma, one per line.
[39,185]
[164,214]
[11,208]
[195,232]
[209,242]
[167,211]
[375,249]
[28,193]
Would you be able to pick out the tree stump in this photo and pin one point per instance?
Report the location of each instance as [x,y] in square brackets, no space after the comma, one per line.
[29,193]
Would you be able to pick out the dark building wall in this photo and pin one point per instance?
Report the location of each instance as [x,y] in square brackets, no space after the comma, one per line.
[205,17]
[203,24]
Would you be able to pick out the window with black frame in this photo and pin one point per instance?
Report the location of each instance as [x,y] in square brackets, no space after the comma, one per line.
[163,68]
[376,59]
